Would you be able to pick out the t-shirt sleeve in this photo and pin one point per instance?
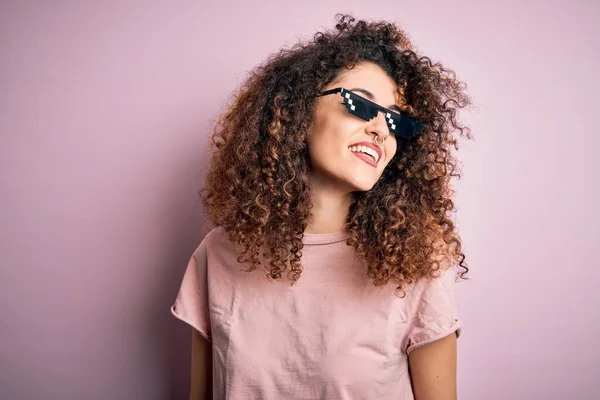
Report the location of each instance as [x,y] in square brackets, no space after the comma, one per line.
[436,314]
[192,304]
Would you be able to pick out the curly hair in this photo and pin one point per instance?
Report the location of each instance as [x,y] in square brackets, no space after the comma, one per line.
[257,185]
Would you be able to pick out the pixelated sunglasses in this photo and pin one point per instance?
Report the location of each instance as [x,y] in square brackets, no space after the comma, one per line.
[399,125]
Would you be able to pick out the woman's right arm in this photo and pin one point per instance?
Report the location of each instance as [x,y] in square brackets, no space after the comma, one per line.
[201,370]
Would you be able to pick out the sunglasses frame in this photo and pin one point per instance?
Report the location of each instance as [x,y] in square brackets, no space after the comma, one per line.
[408,127]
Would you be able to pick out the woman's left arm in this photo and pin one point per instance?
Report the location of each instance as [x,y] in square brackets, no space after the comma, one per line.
[433,369]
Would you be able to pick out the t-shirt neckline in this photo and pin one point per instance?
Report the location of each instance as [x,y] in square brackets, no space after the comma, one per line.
[324,238]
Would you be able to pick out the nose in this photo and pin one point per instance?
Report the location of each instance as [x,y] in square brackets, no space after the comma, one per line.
[378,126]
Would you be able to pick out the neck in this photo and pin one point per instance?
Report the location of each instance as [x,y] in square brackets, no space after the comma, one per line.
[331,205]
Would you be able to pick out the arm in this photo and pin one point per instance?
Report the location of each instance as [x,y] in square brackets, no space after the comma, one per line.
[433,369]
[201,370]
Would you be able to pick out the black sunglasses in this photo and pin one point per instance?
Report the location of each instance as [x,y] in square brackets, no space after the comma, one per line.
[398,124]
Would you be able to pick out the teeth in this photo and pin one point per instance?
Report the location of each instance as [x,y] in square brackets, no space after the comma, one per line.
[366,150]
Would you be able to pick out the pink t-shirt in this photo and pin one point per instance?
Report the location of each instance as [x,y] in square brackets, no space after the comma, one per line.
[333,335]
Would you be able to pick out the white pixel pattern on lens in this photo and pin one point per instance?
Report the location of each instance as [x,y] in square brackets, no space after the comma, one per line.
[390,120]
[350,102]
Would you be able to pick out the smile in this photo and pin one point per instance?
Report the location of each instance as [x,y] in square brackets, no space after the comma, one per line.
[366,157]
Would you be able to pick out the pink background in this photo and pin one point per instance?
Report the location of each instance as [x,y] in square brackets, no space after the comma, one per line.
[105,109]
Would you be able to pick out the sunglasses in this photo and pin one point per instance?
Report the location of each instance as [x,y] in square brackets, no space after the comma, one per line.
[400,125]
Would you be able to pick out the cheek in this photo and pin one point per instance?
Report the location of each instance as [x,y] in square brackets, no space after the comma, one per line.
[327,149]
[333,136]
[321,148]
[390,152]
[330,136]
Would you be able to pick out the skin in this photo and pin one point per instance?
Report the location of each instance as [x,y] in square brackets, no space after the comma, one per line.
[201,369]
[433,370]
[334,174]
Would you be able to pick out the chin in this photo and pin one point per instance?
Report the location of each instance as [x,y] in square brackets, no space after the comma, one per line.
[362,185]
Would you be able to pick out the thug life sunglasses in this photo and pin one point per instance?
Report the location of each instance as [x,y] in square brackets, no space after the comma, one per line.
[400,125]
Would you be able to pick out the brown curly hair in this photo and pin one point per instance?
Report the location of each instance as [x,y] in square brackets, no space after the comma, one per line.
[257,185]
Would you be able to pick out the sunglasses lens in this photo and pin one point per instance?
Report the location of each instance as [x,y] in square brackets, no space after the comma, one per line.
[399,125]
[357,107]
[409,127]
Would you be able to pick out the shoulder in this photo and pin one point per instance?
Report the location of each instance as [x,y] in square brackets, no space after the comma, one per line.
[435,290]
[444,279]
[216,240]
[434,310]
[207,241]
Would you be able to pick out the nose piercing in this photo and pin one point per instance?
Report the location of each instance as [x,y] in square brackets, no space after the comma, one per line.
[375,141]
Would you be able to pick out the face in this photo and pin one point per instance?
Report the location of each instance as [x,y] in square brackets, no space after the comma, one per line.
[334,130]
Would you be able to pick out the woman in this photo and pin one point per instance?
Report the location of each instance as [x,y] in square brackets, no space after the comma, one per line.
[328,275]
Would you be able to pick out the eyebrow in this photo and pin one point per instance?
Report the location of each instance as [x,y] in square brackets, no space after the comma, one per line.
[372,97]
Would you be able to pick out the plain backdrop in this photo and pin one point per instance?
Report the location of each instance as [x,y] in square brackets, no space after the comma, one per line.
[105,112]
